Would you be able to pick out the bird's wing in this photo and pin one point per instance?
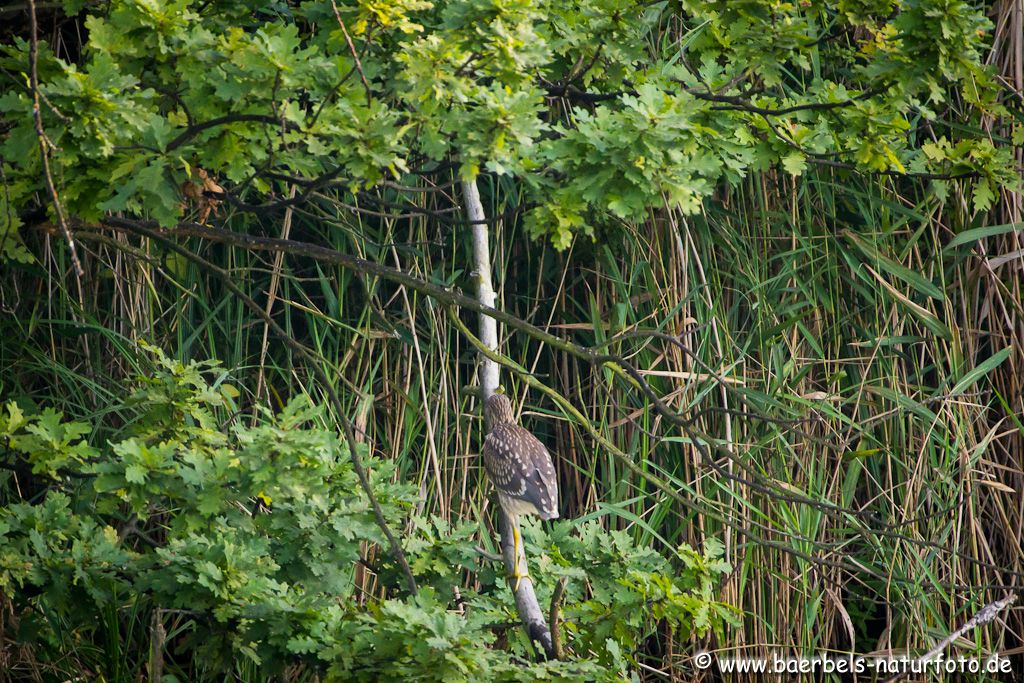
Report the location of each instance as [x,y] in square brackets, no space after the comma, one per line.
[544,468]
[500,466]
[520,467]
[542,481]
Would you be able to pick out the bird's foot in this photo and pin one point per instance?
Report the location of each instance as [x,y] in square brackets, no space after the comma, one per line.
[519,579]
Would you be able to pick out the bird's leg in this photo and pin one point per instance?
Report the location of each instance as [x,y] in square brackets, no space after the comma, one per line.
[516,543]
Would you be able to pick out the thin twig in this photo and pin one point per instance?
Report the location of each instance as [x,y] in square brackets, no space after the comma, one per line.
[555,616]
[44,142]
[985,615]
[352,49]
[195,129]
[489,556]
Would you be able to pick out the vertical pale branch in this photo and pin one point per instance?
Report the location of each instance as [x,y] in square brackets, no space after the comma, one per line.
[484,285]
[526,599]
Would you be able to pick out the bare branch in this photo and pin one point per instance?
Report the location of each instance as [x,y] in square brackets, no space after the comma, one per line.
[706,445]
[45,144]
[197,128]
[556,606]
[985,615]
[328,386]
[489,375]
[352,48]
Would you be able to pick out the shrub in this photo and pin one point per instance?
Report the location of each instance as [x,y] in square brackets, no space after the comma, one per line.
[249,533]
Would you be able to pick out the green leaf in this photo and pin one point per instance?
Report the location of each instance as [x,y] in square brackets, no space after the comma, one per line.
[135,474]
[795,163]
[912,278]
[975,234]
[981,371]
[983,195]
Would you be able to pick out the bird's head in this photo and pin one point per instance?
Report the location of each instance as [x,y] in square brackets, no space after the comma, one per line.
[498,410]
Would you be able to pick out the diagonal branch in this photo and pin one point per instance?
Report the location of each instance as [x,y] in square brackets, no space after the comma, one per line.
[321,376]
[706,445]
[195,129]
[987,614]
[352,49]
[452,295]
[44,142]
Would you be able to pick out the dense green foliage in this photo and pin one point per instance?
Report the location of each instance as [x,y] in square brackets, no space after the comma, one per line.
[248,536]
[819,200]
[260,95]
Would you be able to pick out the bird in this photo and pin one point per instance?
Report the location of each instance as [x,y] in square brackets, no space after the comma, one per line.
[520,468]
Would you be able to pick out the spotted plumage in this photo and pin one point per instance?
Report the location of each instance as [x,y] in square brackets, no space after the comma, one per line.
[518,464]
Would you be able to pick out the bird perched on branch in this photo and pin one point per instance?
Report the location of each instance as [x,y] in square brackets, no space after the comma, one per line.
[520,468]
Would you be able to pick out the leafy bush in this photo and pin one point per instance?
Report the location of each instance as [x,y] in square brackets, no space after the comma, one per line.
[265,94]
[254,530]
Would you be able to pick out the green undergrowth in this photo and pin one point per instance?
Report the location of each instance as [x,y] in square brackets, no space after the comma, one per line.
[210,542]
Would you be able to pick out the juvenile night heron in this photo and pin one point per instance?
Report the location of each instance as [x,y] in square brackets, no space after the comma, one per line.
[520,468]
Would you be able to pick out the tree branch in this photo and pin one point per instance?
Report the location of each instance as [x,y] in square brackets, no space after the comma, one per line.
[489,375]
[197,128]
[452,295]
[328,385]
[985,615]
[352,49]
[44,142]
[705,445]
